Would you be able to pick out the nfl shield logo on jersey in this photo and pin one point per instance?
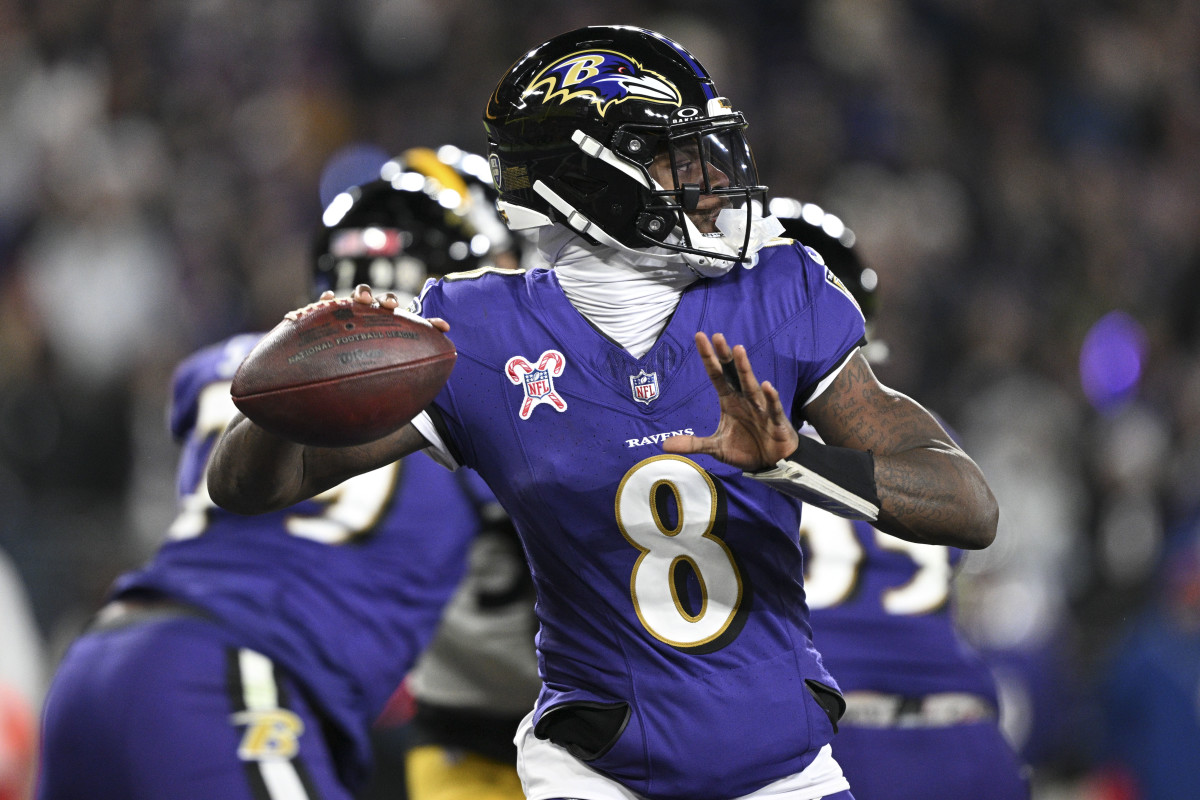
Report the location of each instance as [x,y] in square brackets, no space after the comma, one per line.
[537,384]
[645,386]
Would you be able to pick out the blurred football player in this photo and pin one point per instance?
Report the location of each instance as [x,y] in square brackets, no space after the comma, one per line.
[469,180]
[249,657]
[921,707]
[674,645]
[22,682]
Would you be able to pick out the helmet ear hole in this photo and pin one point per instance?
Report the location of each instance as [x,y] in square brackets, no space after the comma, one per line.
[635,147]
[654,226]
[582,184]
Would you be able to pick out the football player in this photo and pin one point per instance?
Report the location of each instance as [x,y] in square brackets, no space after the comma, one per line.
[674,644]
[921,707]
[250,656]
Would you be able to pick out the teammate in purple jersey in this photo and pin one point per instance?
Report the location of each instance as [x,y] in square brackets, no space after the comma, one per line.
[674,641]
[250,656]
[921,706]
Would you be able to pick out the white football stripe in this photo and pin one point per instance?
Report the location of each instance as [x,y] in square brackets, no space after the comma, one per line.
[258,681]
[283,783]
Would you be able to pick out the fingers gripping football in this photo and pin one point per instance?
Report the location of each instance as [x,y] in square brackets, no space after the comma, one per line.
[363,294]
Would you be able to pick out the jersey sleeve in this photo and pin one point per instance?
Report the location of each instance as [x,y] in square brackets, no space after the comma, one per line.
[439,423]
[838,327]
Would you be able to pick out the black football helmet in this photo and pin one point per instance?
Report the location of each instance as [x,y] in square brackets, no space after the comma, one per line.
[827,235]
[453,171]
[392,234]
[575,127]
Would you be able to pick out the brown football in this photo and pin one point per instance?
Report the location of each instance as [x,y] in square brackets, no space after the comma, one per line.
[339,373]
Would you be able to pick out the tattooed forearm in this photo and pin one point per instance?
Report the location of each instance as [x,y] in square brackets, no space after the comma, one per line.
[935,495]
[930,490]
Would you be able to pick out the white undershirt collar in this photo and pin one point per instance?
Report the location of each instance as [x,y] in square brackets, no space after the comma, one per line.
[630,300]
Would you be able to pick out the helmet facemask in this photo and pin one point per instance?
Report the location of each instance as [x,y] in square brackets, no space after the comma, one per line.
[693,187]
[705,188]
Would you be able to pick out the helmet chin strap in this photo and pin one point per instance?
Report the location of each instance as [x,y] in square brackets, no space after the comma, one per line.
[581,224]
[730,222]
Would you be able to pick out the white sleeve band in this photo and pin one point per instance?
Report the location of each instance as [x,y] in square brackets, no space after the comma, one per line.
[828,379]
[437,449]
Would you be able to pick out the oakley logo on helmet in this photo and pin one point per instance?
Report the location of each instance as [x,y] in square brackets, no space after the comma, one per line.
[604,78]
[495,169]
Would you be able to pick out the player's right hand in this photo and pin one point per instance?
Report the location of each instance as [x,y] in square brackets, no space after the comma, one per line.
[753,432]
[363,294]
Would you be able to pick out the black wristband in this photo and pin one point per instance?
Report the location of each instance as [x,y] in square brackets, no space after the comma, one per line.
[840,480]
[851,469]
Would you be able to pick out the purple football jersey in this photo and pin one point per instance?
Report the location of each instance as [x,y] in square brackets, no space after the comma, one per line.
[343,590]
[672,584]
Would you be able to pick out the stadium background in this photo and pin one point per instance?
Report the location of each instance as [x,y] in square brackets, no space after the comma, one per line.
[1024,176]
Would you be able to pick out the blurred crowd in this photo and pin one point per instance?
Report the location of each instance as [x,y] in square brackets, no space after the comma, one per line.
[1024,176]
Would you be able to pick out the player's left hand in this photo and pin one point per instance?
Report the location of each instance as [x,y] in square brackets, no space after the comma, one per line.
[754,431]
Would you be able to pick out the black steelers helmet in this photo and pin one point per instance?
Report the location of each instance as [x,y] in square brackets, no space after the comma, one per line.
[575,125]
[392,234]
[827,235]
[454,171]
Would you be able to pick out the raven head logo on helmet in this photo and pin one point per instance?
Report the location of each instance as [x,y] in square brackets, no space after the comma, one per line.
[604,78]
[619,134]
